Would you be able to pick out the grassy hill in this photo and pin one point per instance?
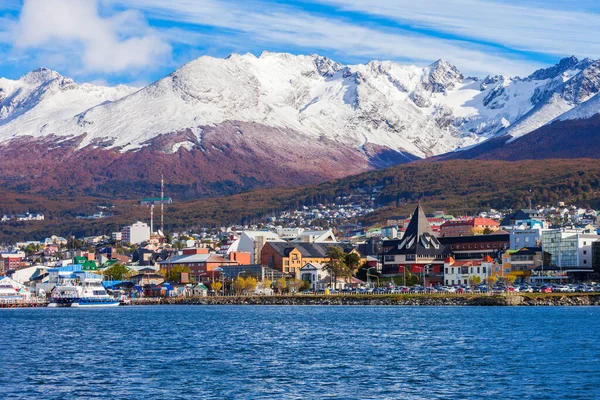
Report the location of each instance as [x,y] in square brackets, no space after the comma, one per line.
[457,186]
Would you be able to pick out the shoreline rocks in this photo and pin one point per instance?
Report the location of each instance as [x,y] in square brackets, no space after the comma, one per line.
[386,300]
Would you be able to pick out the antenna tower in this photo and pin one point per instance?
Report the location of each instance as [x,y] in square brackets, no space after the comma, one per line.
[162,203]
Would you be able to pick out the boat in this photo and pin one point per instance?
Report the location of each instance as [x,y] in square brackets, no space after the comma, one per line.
[81,289]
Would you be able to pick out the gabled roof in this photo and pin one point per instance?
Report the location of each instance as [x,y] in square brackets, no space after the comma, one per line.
[418,238]
[312,250]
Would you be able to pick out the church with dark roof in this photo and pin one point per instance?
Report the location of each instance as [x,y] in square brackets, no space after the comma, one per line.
[418,250]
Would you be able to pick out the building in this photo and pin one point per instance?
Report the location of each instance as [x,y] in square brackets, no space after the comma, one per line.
[260,272]
[313,273]
[116,236]
[521,237]
[468,227]
[475,247]
[569,247]
[521,263]
[316,237]
[290,257]
[200,262]
[418,249]
[461,272]
[529,218]
[136,233]
[253,242]
[10,261]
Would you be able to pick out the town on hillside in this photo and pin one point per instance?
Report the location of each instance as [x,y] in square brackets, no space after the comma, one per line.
[543,249]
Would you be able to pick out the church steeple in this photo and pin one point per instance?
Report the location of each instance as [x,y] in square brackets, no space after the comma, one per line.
[418,224]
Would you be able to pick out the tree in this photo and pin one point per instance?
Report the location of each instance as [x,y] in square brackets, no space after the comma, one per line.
[336,263]
[474,280]
[294,284]
[491,280]
[487,231]
[216,286]
[305,285]
[267,283]
[239,284]
[281,284]
[173,273]
[116,272]
[250,284]
[352,263]
[509,279]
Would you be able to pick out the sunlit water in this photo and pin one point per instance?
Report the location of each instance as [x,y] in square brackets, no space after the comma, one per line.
[296,352]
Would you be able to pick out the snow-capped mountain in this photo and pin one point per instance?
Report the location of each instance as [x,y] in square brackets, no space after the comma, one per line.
[421,111]
[312,117]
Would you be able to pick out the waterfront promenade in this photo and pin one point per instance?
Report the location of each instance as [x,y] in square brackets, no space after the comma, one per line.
[467,299]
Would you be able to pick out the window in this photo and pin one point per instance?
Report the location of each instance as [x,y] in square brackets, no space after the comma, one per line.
[446,271]
[478,270]
[452,272]
[389,258]
[585,252]
[286,262]
[585,261]
[484,270]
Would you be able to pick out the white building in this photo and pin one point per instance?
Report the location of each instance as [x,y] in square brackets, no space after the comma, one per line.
[313,273]
[253,242]
[316,237]
[116,236]
[569,247]
[459,272]
[136,233]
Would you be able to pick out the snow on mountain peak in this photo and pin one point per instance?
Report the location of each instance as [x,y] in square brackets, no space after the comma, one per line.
[40,75]
[420,110]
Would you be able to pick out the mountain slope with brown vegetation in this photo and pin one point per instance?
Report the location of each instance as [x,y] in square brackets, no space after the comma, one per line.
[458,186]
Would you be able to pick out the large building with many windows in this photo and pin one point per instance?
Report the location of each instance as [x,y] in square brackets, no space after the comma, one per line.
[418,252]
[569,247]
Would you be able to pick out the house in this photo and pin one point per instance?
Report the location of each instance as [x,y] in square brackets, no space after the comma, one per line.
[290,257]
[460,272]
[312,273]
[419,251]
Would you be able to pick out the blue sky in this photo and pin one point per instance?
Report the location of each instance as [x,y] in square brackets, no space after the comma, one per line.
[138,41]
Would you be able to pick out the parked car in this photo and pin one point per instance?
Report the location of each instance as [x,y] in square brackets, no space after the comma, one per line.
[546,289]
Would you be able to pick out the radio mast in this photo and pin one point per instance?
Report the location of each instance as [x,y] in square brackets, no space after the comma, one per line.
[162,203]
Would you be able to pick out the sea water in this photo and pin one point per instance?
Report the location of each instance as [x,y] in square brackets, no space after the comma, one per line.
[300,352]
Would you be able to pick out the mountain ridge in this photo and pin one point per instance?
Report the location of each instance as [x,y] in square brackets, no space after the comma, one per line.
[302,118]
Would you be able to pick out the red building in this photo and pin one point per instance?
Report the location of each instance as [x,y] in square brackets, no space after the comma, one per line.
[467,227]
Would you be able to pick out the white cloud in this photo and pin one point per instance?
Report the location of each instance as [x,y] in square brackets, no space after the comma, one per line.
[270,24]
[535,27]
[94,43]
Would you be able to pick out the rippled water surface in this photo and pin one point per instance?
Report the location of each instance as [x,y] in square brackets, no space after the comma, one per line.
[196,352]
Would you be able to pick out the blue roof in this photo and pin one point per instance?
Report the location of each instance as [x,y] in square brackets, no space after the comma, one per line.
[67,268]
[167,286]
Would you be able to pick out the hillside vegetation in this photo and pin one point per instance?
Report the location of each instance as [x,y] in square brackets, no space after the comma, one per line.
[458,187]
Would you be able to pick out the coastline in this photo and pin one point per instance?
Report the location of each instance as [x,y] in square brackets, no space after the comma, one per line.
[528,299]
